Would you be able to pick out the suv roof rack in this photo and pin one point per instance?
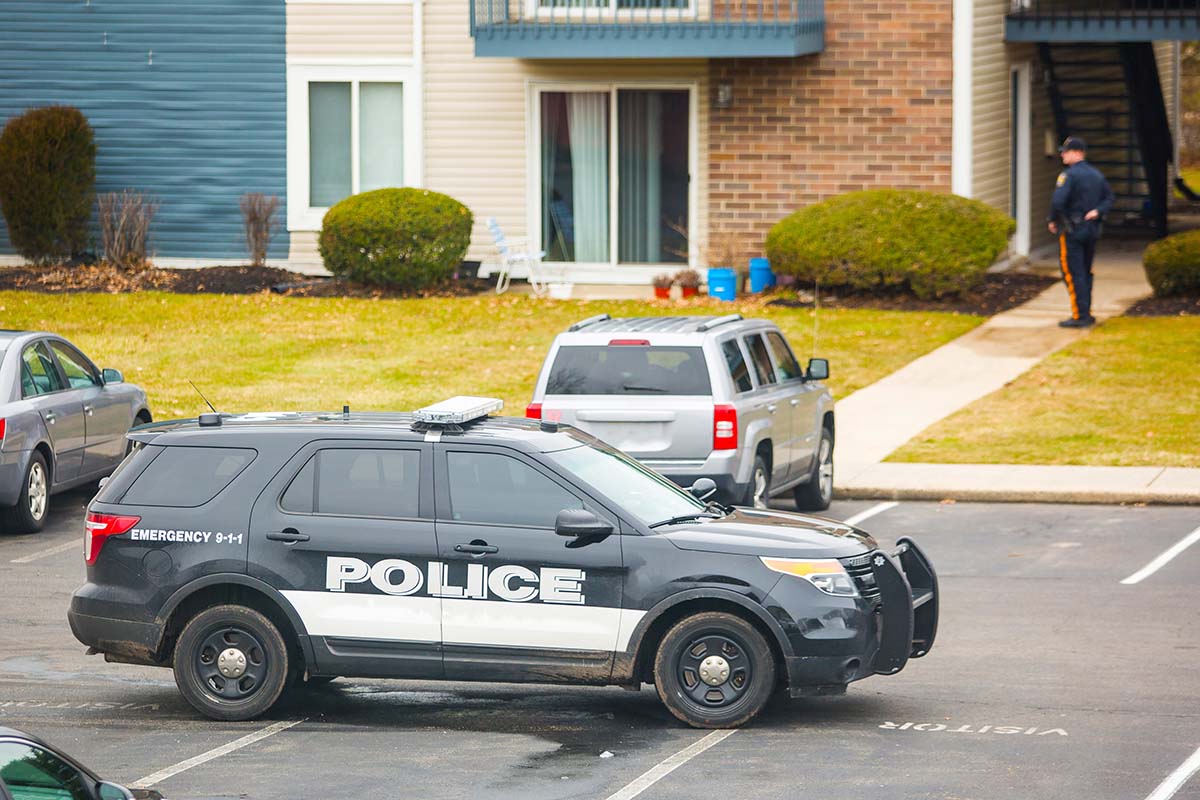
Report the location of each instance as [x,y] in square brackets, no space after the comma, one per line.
[450,415]
[583,323]
[708,325]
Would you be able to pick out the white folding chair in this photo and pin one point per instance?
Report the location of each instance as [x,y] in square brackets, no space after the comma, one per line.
[515,251]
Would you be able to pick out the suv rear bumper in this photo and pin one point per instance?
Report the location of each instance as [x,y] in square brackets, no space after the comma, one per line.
[722,467]
[119,639]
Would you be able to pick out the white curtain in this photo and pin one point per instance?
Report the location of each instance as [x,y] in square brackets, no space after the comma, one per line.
[639,165]
[587,121]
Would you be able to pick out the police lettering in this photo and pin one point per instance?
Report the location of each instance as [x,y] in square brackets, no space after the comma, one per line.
[511,582]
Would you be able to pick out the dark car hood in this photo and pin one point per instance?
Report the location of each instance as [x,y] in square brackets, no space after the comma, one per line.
[770,533]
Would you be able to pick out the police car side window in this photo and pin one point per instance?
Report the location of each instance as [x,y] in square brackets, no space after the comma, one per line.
[499,489]
[186,477]
[298,497]
[359,482]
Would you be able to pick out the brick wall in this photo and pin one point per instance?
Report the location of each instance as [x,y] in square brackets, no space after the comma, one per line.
[872,110]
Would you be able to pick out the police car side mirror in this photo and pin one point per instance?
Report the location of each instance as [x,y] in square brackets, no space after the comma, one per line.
[703,488]
[580,523]
[113,376]
[818,369]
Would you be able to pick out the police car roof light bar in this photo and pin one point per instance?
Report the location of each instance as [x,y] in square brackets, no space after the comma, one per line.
[457,410]
[583,323]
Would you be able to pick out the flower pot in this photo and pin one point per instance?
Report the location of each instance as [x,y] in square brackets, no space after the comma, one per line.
[689,291]
[662,292]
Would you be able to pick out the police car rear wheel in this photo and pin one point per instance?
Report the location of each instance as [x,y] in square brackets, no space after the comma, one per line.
[231,663]
[714,670]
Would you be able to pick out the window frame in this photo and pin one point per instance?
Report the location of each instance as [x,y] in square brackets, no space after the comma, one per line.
[85,778]
[770,362]
[162,449]
[64,385]
[300,215]
[312,453]
[97,379]
[779,379]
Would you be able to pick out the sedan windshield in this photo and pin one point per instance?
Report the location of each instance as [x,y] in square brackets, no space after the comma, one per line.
[645,494]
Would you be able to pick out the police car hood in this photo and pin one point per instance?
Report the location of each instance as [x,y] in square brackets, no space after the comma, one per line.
[751,532]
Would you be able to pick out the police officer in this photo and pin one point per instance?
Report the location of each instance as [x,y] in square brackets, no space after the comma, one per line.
[1081,199]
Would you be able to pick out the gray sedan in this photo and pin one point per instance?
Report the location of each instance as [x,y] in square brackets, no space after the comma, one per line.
[62,423]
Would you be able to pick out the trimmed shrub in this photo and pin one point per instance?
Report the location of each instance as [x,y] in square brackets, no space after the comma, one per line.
[404,238]
[47,182]
[891,240]
[1173,264]
[125,219]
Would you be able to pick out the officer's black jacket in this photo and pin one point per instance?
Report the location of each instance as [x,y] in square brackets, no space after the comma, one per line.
[1080,188]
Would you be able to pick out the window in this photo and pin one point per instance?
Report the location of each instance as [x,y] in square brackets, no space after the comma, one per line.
[31,773]
[737,365]
[357,482]
[351,129]
[645,494]
[187,476]
[626,369]
[80,373]
[38,373]
[488,487]
[784,360]
[646,134]
[762,362]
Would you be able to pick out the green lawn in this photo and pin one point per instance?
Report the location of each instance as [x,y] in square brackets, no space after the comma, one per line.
[265,352]
[1126,395]
[1191,176]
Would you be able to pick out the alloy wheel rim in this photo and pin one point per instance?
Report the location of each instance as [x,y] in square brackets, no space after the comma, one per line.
[760,489]
[37,491]
[825,469]
[714,671]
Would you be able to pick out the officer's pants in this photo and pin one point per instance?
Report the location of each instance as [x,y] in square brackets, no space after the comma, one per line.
[1076,252]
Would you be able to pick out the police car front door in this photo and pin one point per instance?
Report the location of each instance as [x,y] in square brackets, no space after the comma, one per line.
[345,532]
[518,601]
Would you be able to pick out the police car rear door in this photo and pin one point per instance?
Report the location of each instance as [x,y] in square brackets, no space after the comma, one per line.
[345,532]
[518,601]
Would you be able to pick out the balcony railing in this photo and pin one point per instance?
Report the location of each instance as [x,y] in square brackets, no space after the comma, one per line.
[647,28]
[1102,20]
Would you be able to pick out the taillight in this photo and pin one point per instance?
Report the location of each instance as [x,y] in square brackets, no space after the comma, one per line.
[725,435]
[99,528]
[533,411]
[2,427]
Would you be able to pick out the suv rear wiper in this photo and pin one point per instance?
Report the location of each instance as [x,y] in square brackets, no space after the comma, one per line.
[711,511]
[633,387]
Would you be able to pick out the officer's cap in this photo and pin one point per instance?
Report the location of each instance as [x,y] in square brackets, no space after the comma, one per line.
[1073,143]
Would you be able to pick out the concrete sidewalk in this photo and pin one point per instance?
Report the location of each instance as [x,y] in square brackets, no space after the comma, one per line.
[878,419]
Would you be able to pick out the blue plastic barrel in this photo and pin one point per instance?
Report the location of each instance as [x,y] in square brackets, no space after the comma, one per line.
[761,276]
[722,283]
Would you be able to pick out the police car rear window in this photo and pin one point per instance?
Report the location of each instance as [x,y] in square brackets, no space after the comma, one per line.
[357,482]
[629,370]
[187,476]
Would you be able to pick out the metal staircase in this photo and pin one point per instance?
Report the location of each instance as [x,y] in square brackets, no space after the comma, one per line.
[1110,95]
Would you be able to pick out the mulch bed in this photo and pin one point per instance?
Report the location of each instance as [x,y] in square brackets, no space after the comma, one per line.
[1165,307]
[1000,292]
[215,280]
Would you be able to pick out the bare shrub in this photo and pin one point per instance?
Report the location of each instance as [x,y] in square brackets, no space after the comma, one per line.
[258,218]
[125,219]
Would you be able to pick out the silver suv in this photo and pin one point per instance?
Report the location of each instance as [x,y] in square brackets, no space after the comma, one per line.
[698,397]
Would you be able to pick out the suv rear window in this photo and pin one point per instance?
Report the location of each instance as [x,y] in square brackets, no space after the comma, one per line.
[187,476]
[629,369]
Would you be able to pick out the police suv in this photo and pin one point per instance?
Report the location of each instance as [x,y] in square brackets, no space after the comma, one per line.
[250,552]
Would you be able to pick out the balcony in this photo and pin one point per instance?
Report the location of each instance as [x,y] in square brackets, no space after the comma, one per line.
[1102,20]
[647,28]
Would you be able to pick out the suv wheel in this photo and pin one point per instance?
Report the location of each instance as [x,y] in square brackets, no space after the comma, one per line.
[816,493]
[759,491]
[714,670]
[231,663]
[29,514]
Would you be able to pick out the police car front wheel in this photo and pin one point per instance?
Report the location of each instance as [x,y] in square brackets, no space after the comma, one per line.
[714,670]
[231,663]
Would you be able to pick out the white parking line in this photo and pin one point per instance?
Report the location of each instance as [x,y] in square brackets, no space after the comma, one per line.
[216,752]
[1177,779]
[878,508]
[668,765]
[1160,562]
[49,551]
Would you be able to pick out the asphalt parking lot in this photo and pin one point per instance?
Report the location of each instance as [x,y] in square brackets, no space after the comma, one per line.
[1050,679]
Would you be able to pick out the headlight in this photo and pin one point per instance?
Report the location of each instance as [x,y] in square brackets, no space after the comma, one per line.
[826,574]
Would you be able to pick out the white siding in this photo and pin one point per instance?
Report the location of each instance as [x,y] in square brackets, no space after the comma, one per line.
[343,30]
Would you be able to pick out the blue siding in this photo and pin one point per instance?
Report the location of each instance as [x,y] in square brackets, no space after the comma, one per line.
[187,99]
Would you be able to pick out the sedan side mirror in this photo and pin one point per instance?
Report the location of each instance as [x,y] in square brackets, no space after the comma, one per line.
[703,488]
[112,791]
[818,369]
[580,523]
[113,376]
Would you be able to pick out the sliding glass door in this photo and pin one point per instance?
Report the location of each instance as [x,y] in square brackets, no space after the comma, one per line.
[615,175]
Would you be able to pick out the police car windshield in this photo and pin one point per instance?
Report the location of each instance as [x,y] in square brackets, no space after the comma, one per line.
[646,495]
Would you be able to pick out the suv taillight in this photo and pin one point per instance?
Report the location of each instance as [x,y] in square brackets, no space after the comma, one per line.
[99,528]
[2,427]
[725,434]
[533,411]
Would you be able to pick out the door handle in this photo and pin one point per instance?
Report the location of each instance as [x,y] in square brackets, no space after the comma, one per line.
[794,401]
[772,408]
[50,417]
[88,410]
[287,535]
[476,548]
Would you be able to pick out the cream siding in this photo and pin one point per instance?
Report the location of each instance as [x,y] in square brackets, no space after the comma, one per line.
[349,30]
[991,143]
[1167,56]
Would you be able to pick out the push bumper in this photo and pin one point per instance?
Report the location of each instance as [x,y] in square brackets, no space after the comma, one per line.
[908,595]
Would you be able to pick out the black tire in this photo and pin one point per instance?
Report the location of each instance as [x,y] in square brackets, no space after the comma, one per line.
[816,493]
[758,491]
[714,700]
[141,419]
[33,504]
[198,668]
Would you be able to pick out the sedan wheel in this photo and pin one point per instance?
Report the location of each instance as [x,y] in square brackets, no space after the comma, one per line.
[38,491]
[29,514]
